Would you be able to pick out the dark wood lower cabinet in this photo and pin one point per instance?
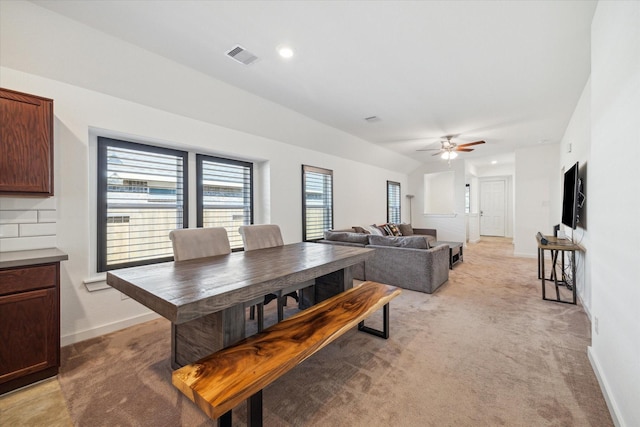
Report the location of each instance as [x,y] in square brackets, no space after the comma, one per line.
[29,324]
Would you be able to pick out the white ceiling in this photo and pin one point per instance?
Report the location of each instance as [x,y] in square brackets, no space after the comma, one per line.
[509,73]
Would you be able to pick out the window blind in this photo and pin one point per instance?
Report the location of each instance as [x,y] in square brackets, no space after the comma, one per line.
[141,198]
[225,195]
[317,200]
[393,202]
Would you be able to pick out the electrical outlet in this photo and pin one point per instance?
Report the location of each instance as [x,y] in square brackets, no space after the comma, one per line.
[595,324]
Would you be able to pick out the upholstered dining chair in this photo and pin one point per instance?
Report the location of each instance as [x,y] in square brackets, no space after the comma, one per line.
[262,236]
[190,243]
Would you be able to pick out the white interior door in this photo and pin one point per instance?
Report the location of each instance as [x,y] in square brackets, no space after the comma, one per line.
[492,208]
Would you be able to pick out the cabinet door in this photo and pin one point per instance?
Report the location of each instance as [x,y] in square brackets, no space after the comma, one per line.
[26,144]
[28,333]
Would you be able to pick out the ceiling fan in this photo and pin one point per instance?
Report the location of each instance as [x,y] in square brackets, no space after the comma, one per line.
[448,149]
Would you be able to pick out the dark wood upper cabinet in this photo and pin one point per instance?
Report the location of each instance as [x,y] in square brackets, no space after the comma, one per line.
[26,144]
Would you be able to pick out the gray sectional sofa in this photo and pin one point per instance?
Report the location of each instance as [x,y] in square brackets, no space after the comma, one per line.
[406,261]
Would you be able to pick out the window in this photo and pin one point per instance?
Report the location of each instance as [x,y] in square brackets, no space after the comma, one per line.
[225,195]
[317,202]
[467,198]
[393,202]
[142,196]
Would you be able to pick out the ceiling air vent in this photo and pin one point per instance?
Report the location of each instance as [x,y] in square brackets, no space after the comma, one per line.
[241,55]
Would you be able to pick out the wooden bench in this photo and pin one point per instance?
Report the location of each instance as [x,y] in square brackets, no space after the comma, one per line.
[221,381]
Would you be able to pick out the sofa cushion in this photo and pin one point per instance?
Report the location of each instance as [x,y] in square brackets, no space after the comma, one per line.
[342,236]
[405,229]
[414,242]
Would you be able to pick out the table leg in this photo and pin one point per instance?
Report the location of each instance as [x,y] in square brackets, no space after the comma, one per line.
[326,286]
[554,273]
[193,340]
[573,276]
[542,274]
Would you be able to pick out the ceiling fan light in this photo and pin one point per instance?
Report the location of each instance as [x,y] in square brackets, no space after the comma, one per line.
[449,155]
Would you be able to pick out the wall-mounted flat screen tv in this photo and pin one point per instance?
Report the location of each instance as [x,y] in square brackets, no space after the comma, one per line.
[570,197]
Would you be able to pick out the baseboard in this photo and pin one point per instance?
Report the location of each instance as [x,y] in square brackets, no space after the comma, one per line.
[106,329]
[613,408]
[584,307]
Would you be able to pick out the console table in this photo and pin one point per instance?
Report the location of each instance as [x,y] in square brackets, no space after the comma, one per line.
[557,248]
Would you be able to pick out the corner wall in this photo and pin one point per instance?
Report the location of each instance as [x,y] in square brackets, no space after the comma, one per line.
[450,227]
[537,195]
[613,199]
[576,147]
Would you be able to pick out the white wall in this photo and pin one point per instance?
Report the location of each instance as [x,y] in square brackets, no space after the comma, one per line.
[537,193]
[81,113]
[451,227]
[577,139]
[613,202]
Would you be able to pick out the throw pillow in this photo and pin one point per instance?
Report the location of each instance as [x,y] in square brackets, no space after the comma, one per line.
[405,229]
[374,229]
[431,241]
[359,229]
[389,229]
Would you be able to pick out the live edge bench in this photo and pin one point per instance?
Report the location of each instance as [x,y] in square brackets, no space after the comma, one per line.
[221,381]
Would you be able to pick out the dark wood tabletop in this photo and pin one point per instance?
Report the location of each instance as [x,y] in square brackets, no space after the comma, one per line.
[185,290]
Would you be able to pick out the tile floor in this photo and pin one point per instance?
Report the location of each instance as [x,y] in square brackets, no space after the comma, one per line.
[40,404]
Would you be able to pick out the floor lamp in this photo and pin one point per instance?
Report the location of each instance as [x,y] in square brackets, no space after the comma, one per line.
[410,196]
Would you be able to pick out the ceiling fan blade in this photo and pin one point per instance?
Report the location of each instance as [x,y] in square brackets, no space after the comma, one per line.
[463,149]
[428,149]
[436,154]
[468,144]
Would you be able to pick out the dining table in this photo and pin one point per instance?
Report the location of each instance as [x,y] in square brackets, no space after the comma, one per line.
[205,298]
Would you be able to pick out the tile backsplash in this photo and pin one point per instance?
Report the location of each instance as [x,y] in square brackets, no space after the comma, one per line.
[27,223]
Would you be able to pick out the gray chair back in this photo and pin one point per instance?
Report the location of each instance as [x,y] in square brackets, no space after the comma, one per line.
[260,236]
[189,243]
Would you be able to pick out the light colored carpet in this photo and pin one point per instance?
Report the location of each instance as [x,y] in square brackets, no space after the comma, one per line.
[484,350]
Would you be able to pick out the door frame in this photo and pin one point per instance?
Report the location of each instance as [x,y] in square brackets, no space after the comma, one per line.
[508,202]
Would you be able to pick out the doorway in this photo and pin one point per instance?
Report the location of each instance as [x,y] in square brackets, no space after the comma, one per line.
[493,207]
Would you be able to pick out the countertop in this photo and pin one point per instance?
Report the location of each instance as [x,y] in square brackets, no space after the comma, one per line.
[31,257]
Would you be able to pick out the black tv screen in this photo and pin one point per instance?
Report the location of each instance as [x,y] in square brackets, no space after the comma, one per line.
[570,197]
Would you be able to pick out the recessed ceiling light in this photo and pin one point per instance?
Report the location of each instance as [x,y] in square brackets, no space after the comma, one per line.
[493,162]
[285,51]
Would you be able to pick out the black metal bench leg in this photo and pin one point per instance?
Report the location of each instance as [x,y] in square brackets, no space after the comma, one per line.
[384,333]
[225,420]
[254,410]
